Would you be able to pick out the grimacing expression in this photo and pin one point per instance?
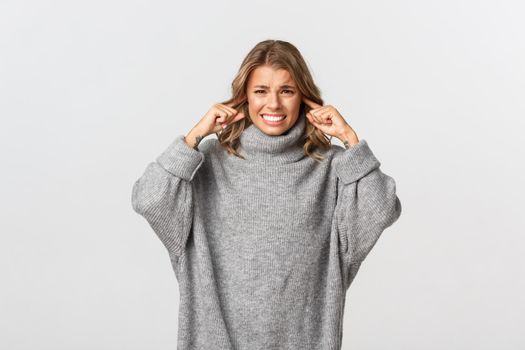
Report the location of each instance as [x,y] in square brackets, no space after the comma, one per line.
[273,93]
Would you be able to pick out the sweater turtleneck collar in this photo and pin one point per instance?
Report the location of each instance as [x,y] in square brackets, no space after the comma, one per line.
[255,145]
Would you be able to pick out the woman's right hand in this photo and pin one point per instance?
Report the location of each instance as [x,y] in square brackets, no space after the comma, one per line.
[218,117]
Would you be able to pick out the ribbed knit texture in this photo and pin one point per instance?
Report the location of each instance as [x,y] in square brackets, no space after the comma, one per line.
[264,249]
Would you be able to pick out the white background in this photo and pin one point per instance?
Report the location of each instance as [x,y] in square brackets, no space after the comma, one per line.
[90,92]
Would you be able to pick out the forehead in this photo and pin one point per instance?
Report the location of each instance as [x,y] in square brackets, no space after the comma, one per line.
[267,75]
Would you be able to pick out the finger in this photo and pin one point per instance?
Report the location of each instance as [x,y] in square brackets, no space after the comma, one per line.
[325,116]
[239,116]
[221,115]
[229,109]
[319,111]
[234,117]
[310,103]
[231,104]
[317,117]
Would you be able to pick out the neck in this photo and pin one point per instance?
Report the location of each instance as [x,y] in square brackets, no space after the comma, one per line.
[255,145]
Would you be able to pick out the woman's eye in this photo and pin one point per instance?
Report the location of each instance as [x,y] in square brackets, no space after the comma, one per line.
[287,91]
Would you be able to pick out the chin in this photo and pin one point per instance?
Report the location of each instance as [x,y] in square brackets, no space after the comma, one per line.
[278,130]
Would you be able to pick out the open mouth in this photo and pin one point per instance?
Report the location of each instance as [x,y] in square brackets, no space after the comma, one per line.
[273,118]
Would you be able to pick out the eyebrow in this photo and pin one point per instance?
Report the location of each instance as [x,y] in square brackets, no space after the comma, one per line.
[266,87]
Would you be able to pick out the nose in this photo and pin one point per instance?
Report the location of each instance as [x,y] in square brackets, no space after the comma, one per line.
[274,102]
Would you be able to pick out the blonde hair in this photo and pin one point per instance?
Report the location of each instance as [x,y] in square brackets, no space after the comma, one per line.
[279,55]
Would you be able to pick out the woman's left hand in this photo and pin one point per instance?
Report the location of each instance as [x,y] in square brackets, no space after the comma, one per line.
[330,121]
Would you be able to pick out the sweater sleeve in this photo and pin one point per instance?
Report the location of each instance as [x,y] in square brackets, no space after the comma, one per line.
[366,203]
[163,194]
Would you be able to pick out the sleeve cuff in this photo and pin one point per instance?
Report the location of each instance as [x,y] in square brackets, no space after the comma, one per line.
[180,159]
[355,162]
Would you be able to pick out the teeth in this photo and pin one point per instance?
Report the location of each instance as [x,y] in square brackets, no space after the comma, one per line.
[273,118]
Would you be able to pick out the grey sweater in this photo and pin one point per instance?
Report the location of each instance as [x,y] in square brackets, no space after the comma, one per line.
[264,249]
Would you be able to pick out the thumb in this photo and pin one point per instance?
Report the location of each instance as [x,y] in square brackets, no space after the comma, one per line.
[309,116]
[238,116]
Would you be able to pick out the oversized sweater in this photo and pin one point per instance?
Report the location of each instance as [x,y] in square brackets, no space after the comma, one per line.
[264,249]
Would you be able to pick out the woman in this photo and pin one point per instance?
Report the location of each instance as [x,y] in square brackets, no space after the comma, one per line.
[267,225]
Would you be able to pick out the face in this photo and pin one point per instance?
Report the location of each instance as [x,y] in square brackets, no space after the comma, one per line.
[273,93]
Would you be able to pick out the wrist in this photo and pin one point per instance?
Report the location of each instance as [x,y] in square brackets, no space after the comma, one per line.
[349,138]
[193,138]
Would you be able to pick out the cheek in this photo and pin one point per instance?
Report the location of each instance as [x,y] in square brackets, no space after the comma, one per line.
[255,104]
[293,105]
